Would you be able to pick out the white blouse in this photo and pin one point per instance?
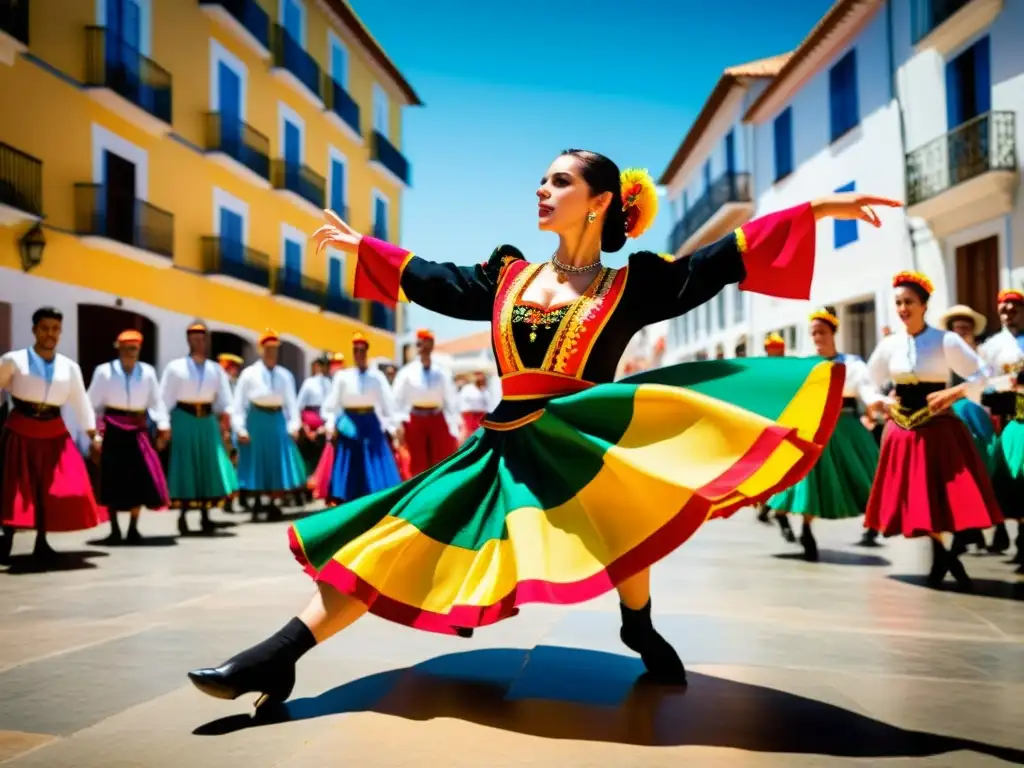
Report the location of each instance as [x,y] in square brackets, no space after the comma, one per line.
[416,387]
[186,381]
[353,388]
[111,387]
[1002,352]
[267,387]
[858,381]
[472,399]
[58,382]
[314,391]
[929,357]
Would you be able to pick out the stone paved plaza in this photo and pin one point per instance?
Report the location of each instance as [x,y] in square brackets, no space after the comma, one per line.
[846,662]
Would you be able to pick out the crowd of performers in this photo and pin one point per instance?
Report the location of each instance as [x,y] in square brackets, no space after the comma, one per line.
[948,420]
[206,434]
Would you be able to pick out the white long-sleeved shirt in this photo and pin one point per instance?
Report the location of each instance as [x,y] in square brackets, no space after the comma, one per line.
[259,385]
[472,399]
[314,391]
[111,387]
[353,388]
[929,358]
[494,392]
[57,382]
[858,381]
[417,387]
[186,381]
[1001,353]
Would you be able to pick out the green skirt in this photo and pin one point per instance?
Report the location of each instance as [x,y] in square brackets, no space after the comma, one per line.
[564,494]
[983,432]
[201,474]
[840,483]
[1009,472]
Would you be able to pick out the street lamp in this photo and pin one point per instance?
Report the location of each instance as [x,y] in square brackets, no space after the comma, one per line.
[32,244]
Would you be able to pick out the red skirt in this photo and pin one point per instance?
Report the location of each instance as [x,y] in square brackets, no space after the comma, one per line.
[320,480]
[429,440]
[930,480]
[403,462]
[41,465]
[471,421]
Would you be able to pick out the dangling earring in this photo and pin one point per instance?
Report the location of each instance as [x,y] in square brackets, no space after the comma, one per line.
[591,217]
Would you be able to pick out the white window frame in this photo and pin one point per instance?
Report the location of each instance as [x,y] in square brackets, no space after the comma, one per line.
[335,43]
[223,200]
[286,113]
[302,11]
[381,106]
[221,55]
[290,234]
[145,23]
[335,155]
[339,256]
[105,140]
[376,195]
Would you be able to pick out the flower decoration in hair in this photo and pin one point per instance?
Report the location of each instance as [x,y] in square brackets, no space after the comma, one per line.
[774,341]
[639,200]
[913,278]
[826,317]
[1010,295]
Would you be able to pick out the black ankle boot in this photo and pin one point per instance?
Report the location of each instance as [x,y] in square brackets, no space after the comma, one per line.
[869,539]
[1019,543]
[133,536]
[267,668]
[114,537]
[762,515]
[958,572]
[785,527]
[639,635]
[809,544]
[205,523]
[182,524]
[42,550]
[6,540]
[1000,540]
[940,564]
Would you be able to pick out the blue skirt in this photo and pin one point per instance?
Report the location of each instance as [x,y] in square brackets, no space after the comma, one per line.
[979,424]
[363,463]
[270,462]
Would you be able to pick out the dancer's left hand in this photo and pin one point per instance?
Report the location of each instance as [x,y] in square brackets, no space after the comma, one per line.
[944,398]
[852,205]
[163,437]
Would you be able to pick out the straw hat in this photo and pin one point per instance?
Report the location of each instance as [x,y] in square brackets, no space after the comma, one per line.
[962,310]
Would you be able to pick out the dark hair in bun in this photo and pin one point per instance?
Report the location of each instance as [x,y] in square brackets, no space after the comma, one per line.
[602,175]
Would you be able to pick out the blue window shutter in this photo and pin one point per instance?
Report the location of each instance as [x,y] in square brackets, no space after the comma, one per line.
[954,112]
[293,261]
[334,277]
[783,129]
[844,232]
[834,100]
[338,187]
[982,77]
[844,109]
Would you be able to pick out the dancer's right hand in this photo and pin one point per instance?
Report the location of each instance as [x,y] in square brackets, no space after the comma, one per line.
[243,438]
[336,233]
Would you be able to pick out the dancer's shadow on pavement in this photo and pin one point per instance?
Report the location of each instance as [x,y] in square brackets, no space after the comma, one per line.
[143,543]
[565,693]
[1003,590]
[21,565]
[837,557]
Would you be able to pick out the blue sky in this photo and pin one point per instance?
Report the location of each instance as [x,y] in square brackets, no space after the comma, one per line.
[508,85]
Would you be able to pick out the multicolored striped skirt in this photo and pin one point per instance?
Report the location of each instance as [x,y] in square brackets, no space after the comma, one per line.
[587,487]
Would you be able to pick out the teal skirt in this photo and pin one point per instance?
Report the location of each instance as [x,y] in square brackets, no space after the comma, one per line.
[840,483]
[270,462]
[1009,470]
[200,473]
[979,424]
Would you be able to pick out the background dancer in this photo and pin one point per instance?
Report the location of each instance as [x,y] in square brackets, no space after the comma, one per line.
[125,392]
[195,391]
[839,485]
[775,346]
[44,484]
[399,447]
[312,436]
[474,403]
[931,479]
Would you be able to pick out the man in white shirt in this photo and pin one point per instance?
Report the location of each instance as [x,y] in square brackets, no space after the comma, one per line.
[195,390]
[312,395]
[265,416]
[474,402]
[427,405]
[126,392]
[46,485]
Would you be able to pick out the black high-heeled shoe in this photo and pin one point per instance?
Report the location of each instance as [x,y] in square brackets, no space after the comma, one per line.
[809,544]
[786,528]
[659,657]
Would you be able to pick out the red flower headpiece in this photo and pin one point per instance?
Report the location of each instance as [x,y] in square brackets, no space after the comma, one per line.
[826,317]
[913,278]
[774,341]
[1010,294]
[639,200]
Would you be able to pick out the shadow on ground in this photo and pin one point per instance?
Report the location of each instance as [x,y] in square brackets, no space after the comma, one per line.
[565,693]
[837,557]
[62,561]
[1004,590]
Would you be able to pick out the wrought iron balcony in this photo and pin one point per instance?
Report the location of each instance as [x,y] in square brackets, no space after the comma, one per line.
[14,19]
[239,141]
[382,317]
[728,188]
[112,63]
[342,304]
[338,101]
[231,258]
[926,15]
[290,56]
[106,213]
[299,180]
[385,153]
[21,181]
[300,287]
[984,143]
[249,14]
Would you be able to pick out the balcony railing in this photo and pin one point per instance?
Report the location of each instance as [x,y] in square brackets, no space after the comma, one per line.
[14,19]
[21,180]
[338,101]
[729,188]
[382,317]
[239,141]
[250,15]
[114,64]
[385,153]
[342,304]
[984,143]
[103,212]
[289,55]
[297,286]
[300,180]
[231,258]
[926,15]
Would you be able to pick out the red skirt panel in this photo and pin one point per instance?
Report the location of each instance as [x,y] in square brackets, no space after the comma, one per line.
[429,441]
[471,421]
[930,480]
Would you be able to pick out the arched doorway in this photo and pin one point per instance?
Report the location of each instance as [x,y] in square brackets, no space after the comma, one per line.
[227,343]
[741,348]
[293,358]
[98,329]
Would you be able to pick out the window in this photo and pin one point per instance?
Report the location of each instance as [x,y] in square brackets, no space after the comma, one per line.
[380,216]
[381,115]
[230,224]
[783,130]
[337,194]
[844,107]
[335,273]
[720,307]
[292,135]
[707,176]
[339,59]
[128,21]
[708,326]
[789,334]
[292,244]
[968,85]
[844,232]
[293,19]
[737,305]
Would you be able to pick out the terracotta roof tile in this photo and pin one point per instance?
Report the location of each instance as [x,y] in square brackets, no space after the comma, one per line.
[473,342]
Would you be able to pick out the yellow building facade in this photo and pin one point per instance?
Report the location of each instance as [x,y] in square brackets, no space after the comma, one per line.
[166,160]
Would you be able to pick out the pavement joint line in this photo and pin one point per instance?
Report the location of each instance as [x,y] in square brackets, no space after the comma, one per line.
[73,649]
[53,740]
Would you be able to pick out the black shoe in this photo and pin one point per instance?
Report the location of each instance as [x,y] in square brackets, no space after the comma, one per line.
[182,525]
[274,513]
[869,539]
[809,544]
[206,525]
[1019,542]
[958,572]
[1000,540]
[466,632]
[786,528]
[660,659]
[267,668]
[762,516]
[42,549]
[940,564]
[6,540]
[133,536]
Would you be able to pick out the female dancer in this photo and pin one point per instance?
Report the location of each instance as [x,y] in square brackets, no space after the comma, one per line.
[533,508]
[931,479]
[1004,352]
[840,483]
